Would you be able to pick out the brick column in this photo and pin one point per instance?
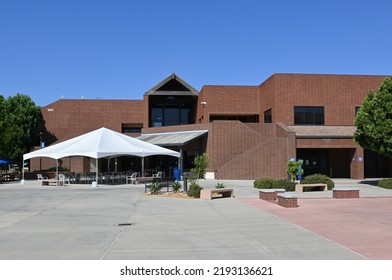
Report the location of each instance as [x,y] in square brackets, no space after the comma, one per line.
[357,167]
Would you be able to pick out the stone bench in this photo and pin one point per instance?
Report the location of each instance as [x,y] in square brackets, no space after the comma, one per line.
[345,192]
[209,193]
[321,187]
[270,194]
[287,200]
[52,183]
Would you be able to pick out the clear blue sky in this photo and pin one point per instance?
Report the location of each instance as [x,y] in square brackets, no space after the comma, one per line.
[119,49]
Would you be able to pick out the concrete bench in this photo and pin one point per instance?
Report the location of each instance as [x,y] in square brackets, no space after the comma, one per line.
[321,187]
[270,194]
[52,183]
[209,193]
[287,200]
[345,192]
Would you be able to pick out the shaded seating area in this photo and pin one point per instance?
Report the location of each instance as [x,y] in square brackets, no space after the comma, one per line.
[97,144]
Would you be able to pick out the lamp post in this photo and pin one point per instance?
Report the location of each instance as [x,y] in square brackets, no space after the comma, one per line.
[40,144]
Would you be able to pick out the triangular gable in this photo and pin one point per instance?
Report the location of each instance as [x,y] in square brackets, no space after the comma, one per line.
[172,85]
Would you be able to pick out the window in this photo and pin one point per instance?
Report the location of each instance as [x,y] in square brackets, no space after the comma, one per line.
[357,109]
[131,128]
[268,116]
[308,115]
[170,115]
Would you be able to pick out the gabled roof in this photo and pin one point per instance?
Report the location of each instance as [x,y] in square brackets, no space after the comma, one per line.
[178,85]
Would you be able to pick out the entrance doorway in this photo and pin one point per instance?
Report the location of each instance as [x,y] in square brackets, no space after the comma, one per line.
[377,166]
[334,163]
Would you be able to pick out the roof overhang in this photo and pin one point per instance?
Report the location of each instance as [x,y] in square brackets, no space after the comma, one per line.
[323,132]
[171,139]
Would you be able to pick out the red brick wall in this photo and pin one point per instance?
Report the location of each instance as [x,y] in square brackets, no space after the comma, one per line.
[325,143]
[227,100]
[267,98]
[339,94]
[248,151]
[67,118]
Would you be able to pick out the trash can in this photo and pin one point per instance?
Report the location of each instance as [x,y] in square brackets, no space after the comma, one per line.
[177,174]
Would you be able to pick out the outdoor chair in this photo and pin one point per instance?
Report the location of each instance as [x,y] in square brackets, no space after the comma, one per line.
[132,178]
[158,175]
[63,180]
[40,178]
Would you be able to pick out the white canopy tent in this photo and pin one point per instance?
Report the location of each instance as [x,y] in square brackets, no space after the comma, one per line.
[101,143]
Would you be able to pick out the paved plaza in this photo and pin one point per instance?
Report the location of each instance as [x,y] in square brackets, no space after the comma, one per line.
[121,222]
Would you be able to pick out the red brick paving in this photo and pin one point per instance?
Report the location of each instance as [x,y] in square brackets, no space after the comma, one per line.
[363,225]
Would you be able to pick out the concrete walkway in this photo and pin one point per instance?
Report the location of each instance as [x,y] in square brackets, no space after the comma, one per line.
[80,222]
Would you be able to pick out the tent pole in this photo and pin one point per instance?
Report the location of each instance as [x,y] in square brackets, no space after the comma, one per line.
[57,168]
[96,167]
[23,173]
[142,166]
[180,163]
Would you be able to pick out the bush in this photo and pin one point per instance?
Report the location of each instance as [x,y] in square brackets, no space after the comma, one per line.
[269,183]
[155,188]
[385,183]
[286,184]
[220,186]
[201,164]
[176,187]
[263,183]
[194,190]
[318,179]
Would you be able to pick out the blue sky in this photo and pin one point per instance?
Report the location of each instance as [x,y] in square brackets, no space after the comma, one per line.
[119,49]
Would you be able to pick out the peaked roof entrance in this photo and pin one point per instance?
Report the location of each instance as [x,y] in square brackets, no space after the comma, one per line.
[172,85]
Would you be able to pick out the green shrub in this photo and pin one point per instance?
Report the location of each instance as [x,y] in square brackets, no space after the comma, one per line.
[263,183]
[385,183]
[318,179]
[194,190]
[176,187]
[201,164]
[155,188]
[286,184]
[220,186]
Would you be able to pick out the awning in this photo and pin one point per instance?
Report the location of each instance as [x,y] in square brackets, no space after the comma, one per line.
[170,139]
[321,131]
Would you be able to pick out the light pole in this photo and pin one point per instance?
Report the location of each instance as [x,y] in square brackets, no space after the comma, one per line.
[40,144]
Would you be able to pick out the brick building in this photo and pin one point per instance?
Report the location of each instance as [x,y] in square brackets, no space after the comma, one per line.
[247,131]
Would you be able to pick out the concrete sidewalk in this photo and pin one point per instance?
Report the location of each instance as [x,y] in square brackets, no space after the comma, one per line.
[80,222]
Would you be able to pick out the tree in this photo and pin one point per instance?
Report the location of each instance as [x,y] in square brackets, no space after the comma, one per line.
[373,120]
[2,114]
[293,168]
[201,164]
[22,121]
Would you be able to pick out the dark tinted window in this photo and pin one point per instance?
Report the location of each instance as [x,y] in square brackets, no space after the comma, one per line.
[308,115]
[268,116]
